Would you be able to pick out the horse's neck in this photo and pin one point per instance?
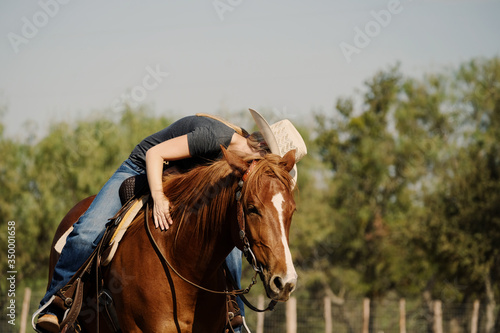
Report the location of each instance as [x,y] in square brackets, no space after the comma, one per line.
[201,256]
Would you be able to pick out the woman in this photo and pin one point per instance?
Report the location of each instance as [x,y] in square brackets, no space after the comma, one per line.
[188,142]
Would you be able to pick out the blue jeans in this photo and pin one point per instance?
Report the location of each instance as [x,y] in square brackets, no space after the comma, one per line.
[89,228]
[233,261]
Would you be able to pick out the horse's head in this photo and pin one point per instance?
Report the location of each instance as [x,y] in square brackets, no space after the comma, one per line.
[268,205]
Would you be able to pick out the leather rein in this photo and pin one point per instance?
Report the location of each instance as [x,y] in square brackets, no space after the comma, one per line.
[247,251]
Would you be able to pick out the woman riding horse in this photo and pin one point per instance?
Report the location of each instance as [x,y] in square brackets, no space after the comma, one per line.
[188,142]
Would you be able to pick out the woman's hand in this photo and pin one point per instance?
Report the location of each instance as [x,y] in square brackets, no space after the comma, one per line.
[161,211]
[170,150]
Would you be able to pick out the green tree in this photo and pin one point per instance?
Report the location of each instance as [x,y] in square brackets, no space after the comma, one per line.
[414,188]
[368,191]
[465,199]
[13,186]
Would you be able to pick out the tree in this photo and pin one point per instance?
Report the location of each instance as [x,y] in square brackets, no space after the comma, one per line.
[465,200]
[415,183]
[368,192]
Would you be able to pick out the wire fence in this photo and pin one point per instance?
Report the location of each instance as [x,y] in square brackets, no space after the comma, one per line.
[386,316]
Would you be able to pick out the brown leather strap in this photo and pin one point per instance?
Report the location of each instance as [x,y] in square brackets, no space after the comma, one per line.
[230,278]
[76,306]
[109,310]
[71,296]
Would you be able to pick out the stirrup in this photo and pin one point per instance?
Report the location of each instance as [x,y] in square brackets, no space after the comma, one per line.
[37,313]
[245,324]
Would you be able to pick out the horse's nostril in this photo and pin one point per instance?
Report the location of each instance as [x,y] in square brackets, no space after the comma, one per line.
[278,282]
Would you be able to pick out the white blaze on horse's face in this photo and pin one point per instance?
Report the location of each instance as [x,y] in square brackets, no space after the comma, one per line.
[271,244]
[290,279]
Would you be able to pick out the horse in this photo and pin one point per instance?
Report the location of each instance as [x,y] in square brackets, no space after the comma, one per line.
[164,281]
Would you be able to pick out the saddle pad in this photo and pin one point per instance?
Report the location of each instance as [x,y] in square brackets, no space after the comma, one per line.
[62,240]
[125,222]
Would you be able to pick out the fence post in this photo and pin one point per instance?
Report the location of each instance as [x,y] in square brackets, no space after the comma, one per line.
[291,315]
[25,310]
[260,315]
[438,317]
[402,315]
[328,315]
[475,317]
[366,315]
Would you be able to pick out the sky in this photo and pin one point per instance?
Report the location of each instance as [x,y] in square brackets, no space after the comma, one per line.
[64,60]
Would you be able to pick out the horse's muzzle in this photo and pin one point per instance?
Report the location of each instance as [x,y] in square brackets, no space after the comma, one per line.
[280,287]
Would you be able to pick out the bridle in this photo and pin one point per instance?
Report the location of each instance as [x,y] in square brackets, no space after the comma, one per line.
[240,213]
[247,251]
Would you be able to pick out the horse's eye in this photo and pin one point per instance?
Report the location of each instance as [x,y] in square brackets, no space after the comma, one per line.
[252,209]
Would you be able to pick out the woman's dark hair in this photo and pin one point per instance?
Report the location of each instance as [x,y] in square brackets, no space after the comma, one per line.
[255,140]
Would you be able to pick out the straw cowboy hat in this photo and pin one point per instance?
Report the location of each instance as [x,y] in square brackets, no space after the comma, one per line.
[281,137]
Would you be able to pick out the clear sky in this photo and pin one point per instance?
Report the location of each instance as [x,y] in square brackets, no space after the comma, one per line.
[63,59]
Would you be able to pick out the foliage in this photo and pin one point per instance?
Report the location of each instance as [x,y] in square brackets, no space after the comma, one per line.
[415,189]
[467,187]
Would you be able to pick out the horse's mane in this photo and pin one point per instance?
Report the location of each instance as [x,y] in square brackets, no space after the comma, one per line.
[204,192]
[209,191]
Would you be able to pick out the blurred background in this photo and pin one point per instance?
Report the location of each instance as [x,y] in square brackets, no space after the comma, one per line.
[399,102]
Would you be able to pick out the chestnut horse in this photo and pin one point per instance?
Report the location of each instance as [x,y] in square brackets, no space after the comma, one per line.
[152,276]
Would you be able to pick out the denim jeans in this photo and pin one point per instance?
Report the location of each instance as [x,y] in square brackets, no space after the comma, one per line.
[233,261]
[89,228]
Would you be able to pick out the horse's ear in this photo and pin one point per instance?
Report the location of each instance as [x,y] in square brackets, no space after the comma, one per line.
[288,161]
[238,165]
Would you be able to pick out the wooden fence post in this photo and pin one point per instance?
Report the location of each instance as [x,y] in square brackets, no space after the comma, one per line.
[402,315]
[291,315]
[366,315]
[25,310]
[475,317]
[438,317]
[260,315]
[328,315]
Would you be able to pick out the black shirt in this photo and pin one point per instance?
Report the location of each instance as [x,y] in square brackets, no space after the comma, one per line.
[205,136]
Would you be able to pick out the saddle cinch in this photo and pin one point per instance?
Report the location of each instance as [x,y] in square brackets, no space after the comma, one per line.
[134,193]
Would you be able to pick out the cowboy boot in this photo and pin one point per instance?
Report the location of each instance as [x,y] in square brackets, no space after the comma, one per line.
[234,313]
[48,323]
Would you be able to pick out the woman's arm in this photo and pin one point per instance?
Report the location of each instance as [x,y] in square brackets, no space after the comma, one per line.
[170,150]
